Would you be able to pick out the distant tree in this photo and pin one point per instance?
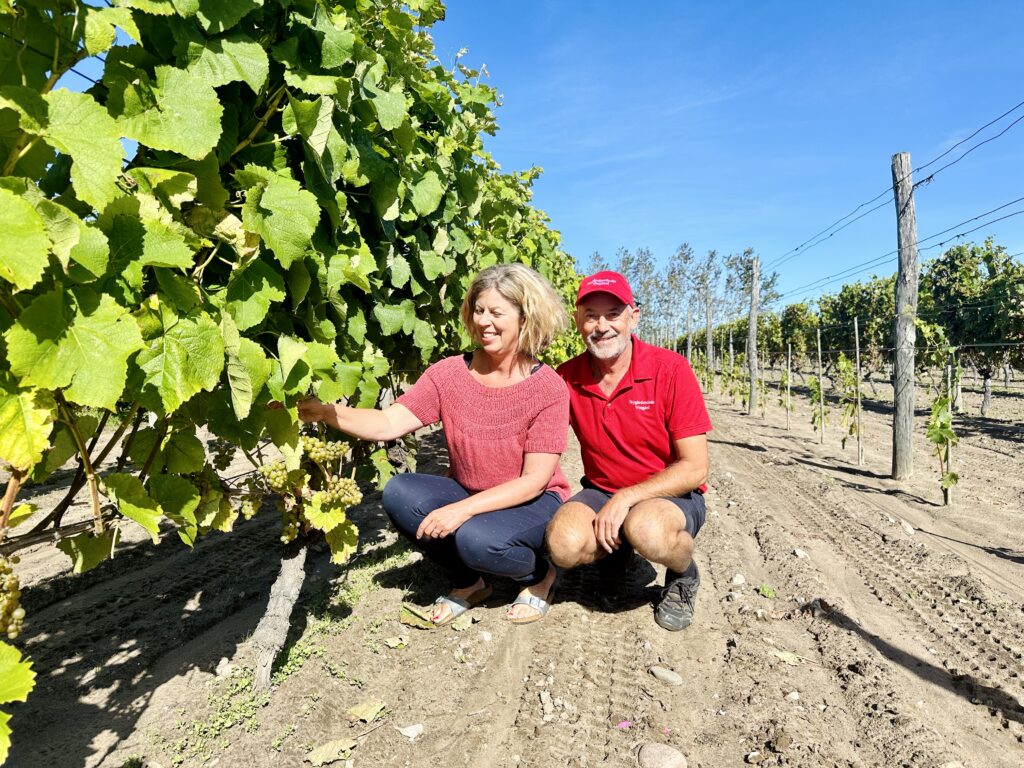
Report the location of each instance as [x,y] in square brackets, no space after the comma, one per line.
[597,263]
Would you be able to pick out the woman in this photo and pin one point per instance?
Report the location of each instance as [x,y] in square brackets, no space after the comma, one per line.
[505,417]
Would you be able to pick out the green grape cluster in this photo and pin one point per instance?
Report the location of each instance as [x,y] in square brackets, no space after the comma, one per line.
[322,451]
[250,506]
[222,454]
[11,613]
[290,527]
[276,476]
[342,491]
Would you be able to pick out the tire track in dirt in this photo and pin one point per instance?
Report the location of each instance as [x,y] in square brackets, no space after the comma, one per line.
[591,677]
[978,646]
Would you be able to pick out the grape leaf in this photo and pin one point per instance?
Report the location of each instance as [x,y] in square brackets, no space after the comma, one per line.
[92,250]
[185,117]
[220,15]
[179,499]
[423,336]
[223,60]
[88,550]
[100,24]
[185,360]
[16,676]
[133,502]
[252,291]
[313,120]
[283,428]
[20,514]
[26,245]
[323,517]
[342,540]
[427,194]
[183,453]
[393,318]
[282,213]
[84,348]
[26,418]
[81,128]
[400,272]
[390,108]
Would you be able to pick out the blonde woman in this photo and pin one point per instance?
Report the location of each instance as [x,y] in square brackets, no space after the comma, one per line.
[505,417]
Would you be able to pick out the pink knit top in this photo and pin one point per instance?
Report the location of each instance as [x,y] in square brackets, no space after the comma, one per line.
[488,430]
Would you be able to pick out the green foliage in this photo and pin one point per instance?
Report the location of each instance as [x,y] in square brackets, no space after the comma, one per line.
[16,682]
[819,406]
[847,383]
[975,293]
[943,438]
[873,303]
[306,197]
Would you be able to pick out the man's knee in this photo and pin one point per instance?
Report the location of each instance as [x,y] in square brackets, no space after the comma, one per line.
[655,523]
[569,539]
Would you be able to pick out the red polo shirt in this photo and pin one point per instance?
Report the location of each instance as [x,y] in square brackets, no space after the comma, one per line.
[627,437]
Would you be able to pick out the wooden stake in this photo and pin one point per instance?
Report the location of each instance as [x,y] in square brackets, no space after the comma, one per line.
[821,392]
[905,331]
[789,367]
[860,440]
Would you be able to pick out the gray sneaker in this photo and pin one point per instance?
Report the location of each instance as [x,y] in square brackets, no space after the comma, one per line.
[675,611]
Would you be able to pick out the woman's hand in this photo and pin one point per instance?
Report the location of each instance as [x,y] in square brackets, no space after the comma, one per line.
[311,410]
[442,522]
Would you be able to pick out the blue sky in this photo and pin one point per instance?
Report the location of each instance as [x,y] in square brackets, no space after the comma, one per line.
[739,124]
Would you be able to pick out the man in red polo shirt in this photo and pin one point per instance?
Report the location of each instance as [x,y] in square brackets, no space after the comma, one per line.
[640,418]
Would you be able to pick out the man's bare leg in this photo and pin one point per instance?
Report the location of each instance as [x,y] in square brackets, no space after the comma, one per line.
[657,530]
[570,536]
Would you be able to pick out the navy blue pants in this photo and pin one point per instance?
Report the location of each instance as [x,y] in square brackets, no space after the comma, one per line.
[506,542]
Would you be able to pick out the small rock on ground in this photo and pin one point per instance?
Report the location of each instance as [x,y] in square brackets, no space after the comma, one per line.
[661,756]
[738,580]
[666,676]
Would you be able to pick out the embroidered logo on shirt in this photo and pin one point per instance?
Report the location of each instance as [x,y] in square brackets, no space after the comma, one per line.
[642,405]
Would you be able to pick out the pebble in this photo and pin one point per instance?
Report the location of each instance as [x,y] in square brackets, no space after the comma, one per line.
[782,742]
[907,527]
[738,580]
[661,756]
[793,696]
[547,705]
[754,757]
[731,596]
[800,553]
[224,668]
[730,504]
[487,636]
[666,676]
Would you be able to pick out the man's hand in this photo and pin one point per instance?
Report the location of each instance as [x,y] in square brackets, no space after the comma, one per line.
[442,522]
[609,521]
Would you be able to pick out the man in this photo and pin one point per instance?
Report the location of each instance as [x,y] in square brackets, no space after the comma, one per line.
[641,421]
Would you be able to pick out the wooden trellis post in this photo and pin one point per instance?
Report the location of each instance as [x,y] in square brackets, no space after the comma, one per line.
[856,346]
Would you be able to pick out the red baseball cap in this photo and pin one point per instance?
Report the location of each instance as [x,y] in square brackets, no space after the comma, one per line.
[606,282]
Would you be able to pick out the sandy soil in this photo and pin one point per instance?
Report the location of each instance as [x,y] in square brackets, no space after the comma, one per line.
[911,656]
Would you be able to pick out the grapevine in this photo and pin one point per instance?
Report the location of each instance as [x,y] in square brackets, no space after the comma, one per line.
[303,201]
[819,408]
[846,379]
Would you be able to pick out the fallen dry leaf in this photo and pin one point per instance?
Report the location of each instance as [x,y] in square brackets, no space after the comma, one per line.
[331,751]
[367,711]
